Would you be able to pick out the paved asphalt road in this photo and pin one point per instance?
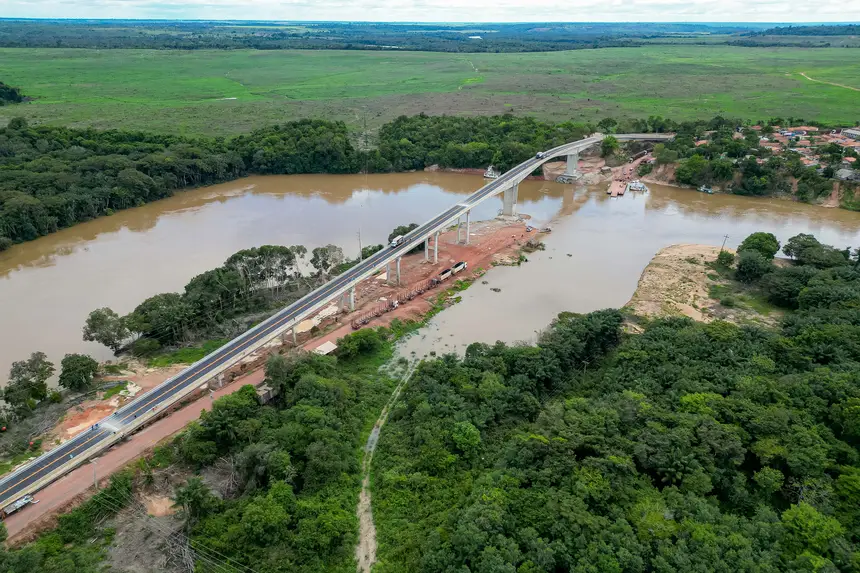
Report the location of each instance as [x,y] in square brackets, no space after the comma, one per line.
[21,481]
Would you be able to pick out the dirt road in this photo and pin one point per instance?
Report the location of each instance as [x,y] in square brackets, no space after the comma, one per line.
[829,83]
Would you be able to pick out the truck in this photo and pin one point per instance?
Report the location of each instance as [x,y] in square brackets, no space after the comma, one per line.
[396,241]
[15,506]
[445,274]
[461,266]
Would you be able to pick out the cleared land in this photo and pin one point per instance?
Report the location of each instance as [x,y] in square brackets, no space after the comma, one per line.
[226,92]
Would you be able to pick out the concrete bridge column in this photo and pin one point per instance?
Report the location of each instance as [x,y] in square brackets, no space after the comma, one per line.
[295,338]
[427,249]
[352,299]
[398,271]
[458,230]
[467,226]
[436,250]
[509,207]
[572,164]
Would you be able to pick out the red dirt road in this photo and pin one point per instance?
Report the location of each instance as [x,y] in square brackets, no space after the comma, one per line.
[53,498]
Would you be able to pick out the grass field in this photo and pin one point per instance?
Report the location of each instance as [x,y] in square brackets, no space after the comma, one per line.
[192,92]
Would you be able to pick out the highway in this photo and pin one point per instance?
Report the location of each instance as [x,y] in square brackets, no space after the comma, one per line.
[51,465]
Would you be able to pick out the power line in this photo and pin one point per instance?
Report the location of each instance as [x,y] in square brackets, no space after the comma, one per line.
[174,538]
[142,511]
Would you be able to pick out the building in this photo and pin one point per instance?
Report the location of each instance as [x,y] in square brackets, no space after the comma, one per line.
[852,133]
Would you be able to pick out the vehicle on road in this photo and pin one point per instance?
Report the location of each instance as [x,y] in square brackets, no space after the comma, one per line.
[445,274]
[396,241]
[540,155]
[461,266]
[13,507]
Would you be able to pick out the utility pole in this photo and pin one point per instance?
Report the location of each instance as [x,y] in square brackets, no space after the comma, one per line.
[95,477]
[725,238]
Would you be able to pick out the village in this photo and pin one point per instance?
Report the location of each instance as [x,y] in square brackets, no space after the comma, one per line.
[809,142]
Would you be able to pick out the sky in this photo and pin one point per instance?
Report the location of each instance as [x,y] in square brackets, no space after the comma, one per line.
[446,10]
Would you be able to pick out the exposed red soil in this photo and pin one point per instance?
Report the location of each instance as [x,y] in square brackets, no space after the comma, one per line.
[75,487]
[491,242]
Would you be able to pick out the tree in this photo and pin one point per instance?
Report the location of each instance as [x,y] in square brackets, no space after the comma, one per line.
[194,500]
[106,327]
[765,243]
[751,266]
[808,530]
[664,155]
[325,259]
[77,371]
[28,379]
[693,171]
[607,125]
[609,146]
[796,244]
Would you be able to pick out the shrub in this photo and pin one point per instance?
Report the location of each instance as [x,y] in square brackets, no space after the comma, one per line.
[752,265]
[726,259]
[145,347]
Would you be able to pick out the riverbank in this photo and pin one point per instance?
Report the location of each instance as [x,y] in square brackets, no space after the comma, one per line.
[684,280]
[491,242]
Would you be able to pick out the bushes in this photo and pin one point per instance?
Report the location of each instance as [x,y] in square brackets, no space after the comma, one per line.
[752,265]
[364,341]
[783,285]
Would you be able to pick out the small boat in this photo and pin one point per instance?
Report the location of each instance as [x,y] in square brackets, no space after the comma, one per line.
[491,173]
[707,190]
[637,185]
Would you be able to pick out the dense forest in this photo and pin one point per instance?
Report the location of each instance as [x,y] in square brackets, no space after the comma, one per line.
[683,447]
[832,30]
[10,95]
[54,177]
[688,447]
[191,35]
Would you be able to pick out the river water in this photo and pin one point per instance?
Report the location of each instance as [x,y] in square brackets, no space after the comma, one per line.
[48,286]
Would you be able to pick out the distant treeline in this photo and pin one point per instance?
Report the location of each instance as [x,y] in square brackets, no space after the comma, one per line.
[845,30]
[8,94]
[529,37]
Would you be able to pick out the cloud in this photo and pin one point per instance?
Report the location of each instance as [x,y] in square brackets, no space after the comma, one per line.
[446,10]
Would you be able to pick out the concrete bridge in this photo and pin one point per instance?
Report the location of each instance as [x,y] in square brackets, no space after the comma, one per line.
[62,459]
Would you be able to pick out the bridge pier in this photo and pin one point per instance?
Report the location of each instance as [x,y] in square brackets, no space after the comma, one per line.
[398,270]
[352,299]
[295,338]
[467,226]
[572,164]
[426,249]
[509,207]
[436,250]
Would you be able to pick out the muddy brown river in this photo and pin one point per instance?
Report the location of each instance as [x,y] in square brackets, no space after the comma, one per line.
[48,286]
